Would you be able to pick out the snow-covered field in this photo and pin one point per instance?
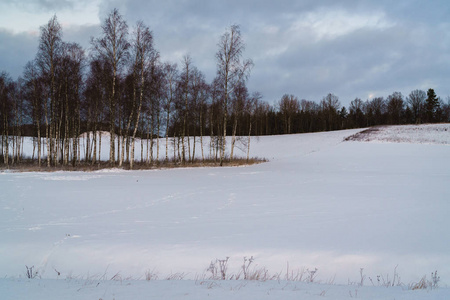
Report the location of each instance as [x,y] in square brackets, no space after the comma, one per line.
[319,203]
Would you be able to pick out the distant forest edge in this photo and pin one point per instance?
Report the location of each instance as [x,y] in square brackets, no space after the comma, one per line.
[122,86]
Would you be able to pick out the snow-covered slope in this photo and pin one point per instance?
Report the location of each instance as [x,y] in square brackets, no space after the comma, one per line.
[318,203]
[416,134]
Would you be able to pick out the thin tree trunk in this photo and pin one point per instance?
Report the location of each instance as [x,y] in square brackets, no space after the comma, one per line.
[94,141]
[112,112]
[58,139]
[233,137]
[99,147]
[47,133]
[66,133]
[248,142]
[174,148]
[120,136]
[219,143]
[148,142]
[189,145]
[5,143]
[211,135]
[75,133]
[39,142]
[88,145]
[127,147]
[178,146]
[13,143]
[34,148]
[193,149]
[128,127]
[223,141]
[167,136]
[151,143]
[141,95]
[183,156]
[201,135]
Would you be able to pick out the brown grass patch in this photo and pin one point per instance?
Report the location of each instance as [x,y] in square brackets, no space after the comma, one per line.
[83,166]
[363,135]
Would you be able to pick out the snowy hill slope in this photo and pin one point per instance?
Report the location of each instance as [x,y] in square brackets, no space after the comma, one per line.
[415,134]
[318,203]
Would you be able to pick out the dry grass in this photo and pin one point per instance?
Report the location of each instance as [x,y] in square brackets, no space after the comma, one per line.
[424,283]
[83,166]
[151,275]
[176,276]
[421,285]
[363,135]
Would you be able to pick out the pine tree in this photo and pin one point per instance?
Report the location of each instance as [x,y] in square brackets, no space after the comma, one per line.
[431,104]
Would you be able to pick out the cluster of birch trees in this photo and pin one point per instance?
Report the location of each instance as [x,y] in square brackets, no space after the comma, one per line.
[122,87]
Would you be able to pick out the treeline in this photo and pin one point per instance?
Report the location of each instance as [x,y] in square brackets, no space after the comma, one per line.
[294,116]
[122,86]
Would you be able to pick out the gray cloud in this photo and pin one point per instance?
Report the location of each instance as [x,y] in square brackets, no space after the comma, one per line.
[307,48]
[81,34]
[44,5]
[15,51]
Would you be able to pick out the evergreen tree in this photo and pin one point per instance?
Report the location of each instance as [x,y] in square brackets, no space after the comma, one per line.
[431,104]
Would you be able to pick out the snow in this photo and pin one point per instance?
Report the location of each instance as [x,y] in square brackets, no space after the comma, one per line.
[423,134]
[200,289]
[319,203]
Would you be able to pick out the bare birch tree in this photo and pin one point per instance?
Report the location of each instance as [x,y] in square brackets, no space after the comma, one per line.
[239,101]
[230,71]
[49,49]
[185,79]
[96,94]
[145,59]
[199,98]
[169,86]
[70,83]
[251,107]
[6,113]
[34,96]
[113,47]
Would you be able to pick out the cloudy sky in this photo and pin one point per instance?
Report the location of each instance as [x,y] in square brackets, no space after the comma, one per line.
[308,48]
